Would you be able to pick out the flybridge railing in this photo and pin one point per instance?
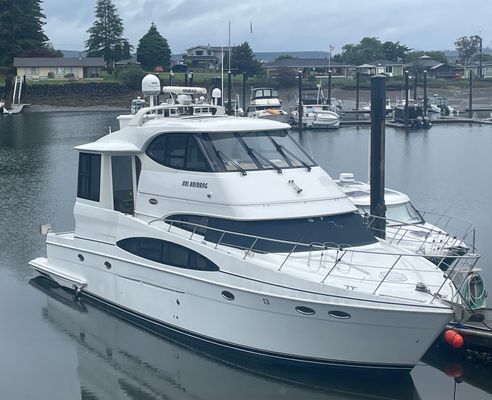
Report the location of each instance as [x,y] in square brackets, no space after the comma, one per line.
[433,243]
[331,256]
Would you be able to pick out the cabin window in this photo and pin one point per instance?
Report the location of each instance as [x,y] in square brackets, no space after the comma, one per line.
[89,176]
[344,230]
[121,167]
[164,252]
[180,151]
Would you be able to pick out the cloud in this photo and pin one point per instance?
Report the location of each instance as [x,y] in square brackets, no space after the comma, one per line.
[278,25]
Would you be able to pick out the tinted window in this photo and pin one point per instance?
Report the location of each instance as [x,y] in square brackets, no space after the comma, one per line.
[179,151]
[122,183]
[168,253]
[345,230]
[89,176]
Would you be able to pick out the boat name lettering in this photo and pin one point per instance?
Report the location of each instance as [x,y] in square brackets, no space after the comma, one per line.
[192,184]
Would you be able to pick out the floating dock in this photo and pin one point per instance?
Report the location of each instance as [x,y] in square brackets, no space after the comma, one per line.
[477,335]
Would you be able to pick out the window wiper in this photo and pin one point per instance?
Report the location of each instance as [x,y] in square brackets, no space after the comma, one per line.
[283,150]
[225,158]
[254,153]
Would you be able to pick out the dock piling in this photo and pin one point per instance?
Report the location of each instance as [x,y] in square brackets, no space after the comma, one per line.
[426,101]
[229,92]
[378,117]
[357,76]
[470,97]
[329,87]
[406,98]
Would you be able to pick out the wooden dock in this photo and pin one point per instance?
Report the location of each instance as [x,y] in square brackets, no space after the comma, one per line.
[477,335]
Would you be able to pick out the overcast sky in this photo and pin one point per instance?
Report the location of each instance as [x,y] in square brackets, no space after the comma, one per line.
[279,25]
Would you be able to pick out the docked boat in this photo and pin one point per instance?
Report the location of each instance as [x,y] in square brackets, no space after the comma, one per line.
[264,103]
[224,232]
[415,117]
[407,227]
[317,112]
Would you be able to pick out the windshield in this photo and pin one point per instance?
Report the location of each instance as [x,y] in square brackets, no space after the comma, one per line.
[254,151]
[404,213]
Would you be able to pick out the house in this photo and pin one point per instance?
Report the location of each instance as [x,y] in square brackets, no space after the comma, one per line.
[206,56]
[59,68]
[387,67]
[308,66]
[475,69]
[436,69]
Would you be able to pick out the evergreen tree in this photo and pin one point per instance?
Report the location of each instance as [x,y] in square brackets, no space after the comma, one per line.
[105,35]
[243,60]
[21,28]
[153,50]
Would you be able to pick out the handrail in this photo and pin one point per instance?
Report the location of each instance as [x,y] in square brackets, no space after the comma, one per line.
[395,258]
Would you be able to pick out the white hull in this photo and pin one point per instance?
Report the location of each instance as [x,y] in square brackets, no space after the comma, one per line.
[262,319]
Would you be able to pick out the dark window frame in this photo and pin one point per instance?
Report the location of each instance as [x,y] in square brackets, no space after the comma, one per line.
[166,252]
[89,176]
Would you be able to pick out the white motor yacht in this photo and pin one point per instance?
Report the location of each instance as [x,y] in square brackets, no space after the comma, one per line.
[406,226]
[264,103]
[223,231]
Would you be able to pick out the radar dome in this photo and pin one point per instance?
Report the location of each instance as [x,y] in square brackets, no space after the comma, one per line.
[216,93]
[151,86]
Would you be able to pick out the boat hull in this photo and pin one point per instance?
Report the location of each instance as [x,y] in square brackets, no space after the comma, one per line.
[254,323]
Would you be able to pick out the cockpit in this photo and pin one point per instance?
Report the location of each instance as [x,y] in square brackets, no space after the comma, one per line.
[229,151]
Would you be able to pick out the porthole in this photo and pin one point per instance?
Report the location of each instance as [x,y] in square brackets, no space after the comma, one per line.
[107,264]
[153,201]
[305,310]
[80,256]
[339,314]
[227,295]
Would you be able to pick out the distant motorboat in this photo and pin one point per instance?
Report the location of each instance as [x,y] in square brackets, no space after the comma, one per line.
[264,103]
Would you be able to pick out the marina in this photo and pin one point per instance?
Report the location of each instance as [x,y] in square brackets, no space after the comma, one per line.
[405,152]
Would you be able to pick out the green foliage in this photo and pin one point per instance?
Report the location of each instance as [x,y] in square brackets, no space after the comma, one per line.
[243,60]
[46,52]
[153,50]
[467,47]
[105,35]
[370,49]
[21,28]
[284,57]
[130,75]
[434,54]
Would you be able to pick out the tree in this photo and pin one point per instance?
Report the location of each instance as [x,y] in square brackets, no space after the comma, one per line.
[105,35]
[371,49]
[46,52]
[153,50]
[467,47]
[21,28]
[284,57]
[243,60]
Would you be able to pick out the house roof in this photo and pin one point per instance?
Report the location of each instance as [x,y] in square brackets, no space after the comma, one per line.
[59,62]
[304,63]
[208,47]
[383,63]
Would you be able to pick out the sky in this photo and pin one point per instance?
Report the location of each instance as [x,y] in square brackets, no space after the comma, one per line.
[278,25]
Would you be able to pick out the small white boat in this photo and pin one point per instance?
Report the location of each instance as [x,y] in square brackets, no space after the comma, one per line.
[317,111]
[406,226]
[264,103]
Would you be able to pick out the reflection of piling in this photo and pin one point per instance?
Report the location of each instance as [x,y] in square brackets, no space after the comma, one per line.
[299,110]
[229,92]
[378,114]
[357,76]
[426,101]
[470,97]
[406,99]
[329,87]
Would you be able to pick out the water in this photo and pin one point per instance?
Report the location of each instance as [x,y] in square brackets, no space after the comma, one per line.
[51,349]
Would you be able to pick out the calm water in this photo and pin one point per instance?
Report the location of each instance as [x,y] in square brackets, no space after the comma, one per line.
[52,349]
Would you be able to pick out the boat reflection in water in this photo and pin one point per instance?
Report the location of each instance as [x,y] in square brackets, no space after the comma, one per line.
[120,361]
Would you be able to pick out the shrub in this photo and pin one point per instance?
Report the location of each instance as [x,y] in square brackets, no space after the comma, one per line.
[130,75]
